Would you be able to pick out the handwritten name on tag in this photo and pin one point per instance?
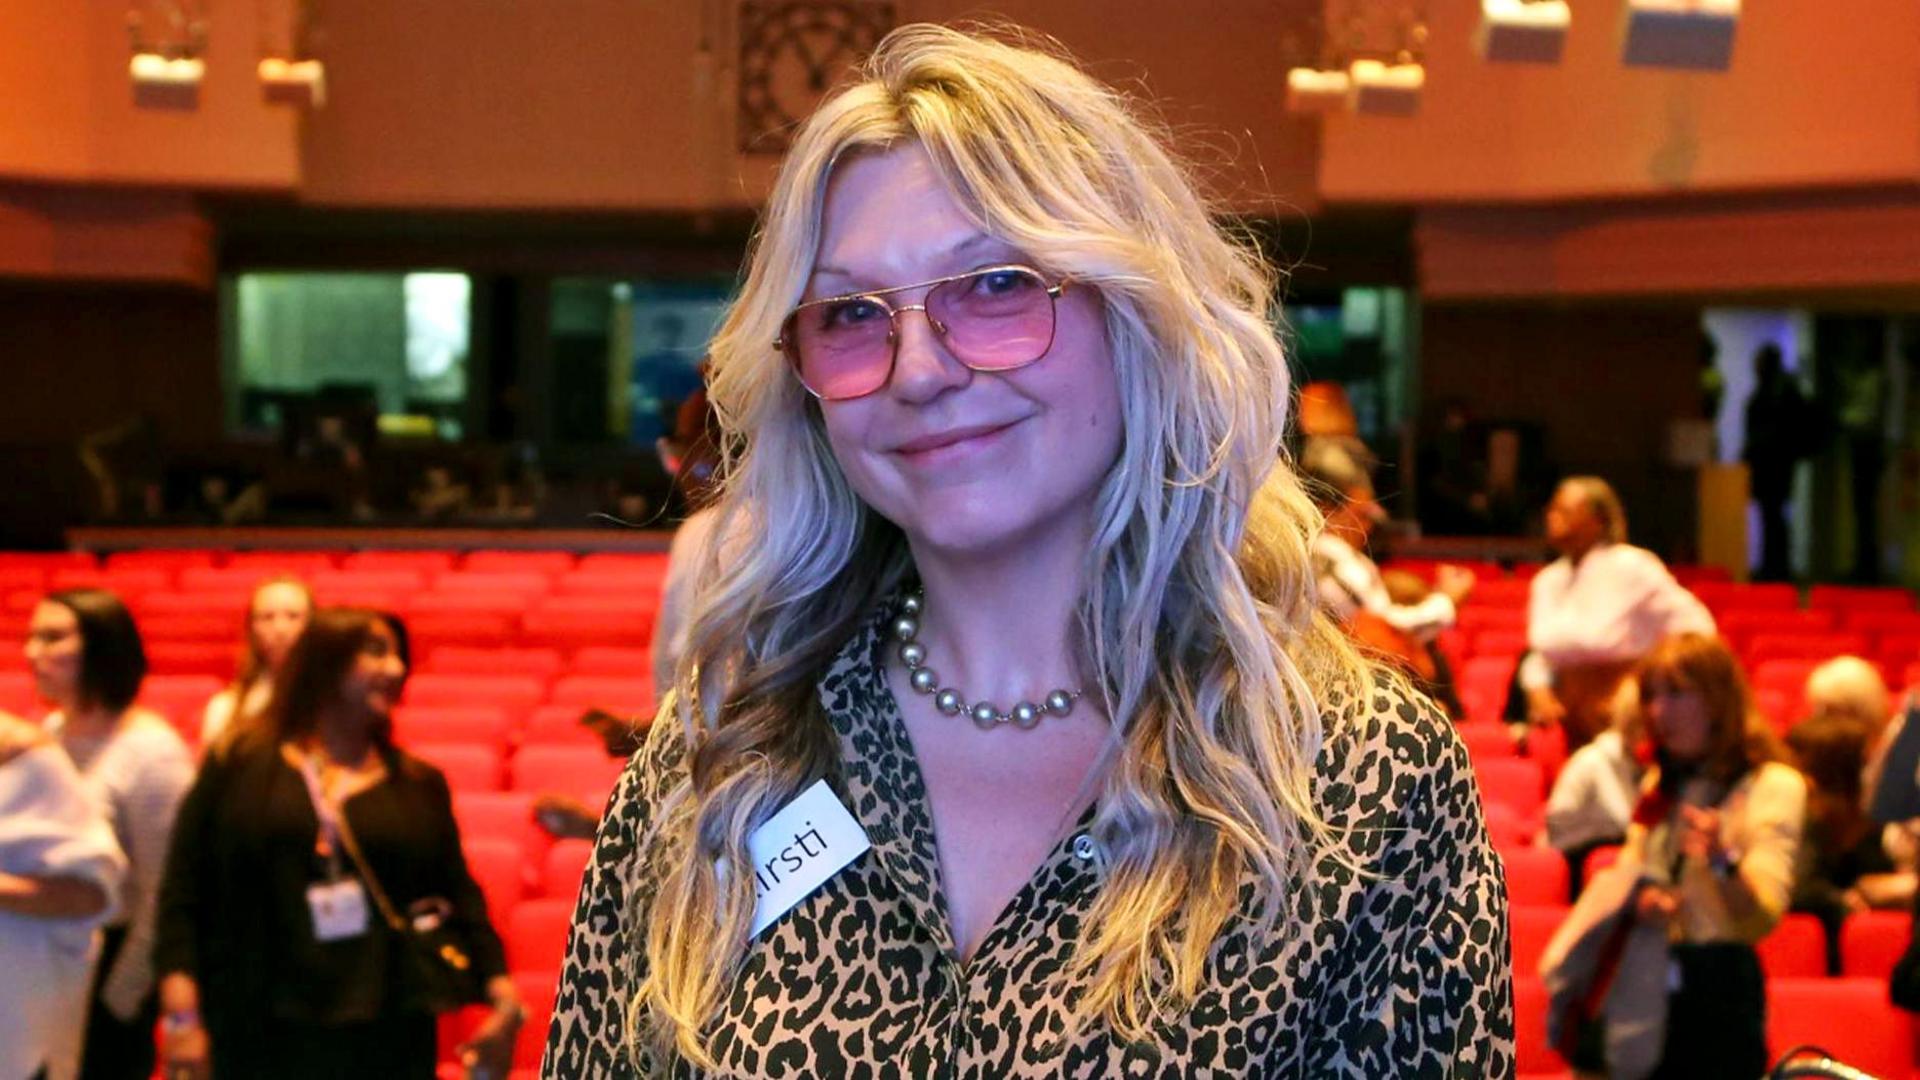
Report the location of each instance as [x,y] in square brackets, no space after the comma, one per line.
[798,849]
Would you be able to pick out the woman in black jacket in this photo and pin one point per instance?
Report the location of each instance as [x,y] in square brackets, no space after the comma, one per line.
[275,954]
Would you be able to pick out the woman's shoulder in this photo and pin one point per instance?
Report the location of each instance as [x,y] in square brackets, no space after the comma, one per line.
[1387,751]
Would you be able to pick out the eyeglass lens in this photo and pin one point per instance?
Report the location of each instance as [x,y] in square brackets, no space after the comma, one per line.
[990,321]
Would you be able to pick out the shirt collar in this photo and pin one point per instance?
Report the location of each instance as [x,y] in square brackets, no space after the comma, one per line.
[884,786]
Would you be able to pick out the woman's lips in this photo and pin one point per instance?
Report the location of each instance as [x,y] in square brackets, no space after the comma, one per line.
[950,442]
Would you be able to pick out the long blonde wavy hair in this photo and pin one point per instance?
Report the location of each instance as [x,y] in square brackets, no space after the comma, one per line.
[1197,621]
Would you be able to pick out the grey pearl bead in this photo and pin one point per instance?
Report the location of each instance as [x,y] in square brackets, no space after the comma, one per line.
[906,628]
[924,680]
[985,714]
[947,702]
[1059,703]
[1026,714]
[913,654]
[911,605]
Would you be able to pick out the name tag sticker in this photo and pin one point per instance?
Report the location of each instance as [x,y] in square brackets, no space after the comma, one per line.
[798,849]
[339,910]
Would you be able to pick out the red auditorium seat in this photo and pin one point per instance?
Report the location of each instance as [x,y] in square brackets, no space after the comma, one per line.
[1533,926]
[13,654]
[1796,948]
[548,563]
[397,580]
[1535,875]
[463,659]
[469,766]
[1482,685]
[1849,1018]
[582,629]
[1507,827]
[1599,859]
[1507,643]
[227,579]
[1691,575]
[585,772]
[1785,676]
[626,695]
[1730,596]
[192,626]
[520,692]
[181,698]
[172,559]
[609,583]
[1764,647]
[1860,598]
[31,579]
[566,865]
[229,605]
[1486,740]
[1911,677]
[17,694]
[537,991]
[611,660]
[1781,708]
[467,604]
[1500,592]
[1739,627]
[218,659]
[501,815]
[624,561]
[1514,782]
[1870,621]
[47,561]
[422,562]
[513,584]
[482,725]
[286,562]
[499,867]
[551,725]
[536,934]
[1474,618]
[1872,941]
[1533,1054]
[431,628]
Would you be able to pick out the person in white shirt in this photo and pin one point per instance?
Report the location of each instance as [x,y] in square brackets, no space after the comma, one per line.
[60,873]
[275,616]
[1595,611]
[88,663]
[1349,583]
[1593,797]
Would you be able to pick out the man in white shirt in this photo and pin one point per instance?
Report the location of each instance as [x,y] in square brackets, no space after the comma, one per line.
[1595,611]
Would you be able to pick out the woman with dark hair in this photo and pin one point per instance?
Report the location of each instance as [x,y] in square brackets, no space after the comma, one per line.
[88,663]
[305,836]
[276,614]
[1707,871]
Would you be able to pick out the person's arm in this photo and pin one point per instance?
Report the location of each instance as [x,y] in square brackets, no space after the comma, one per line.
[1434,985]
[1754,882]
[491,1044]
[62,857]
[1572,804]
[153,804]
[51,897]
[588,1035]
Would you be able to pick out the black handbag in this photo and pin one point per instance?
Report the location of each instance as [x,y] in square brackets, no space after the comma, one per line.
[439,963]
[1904,986]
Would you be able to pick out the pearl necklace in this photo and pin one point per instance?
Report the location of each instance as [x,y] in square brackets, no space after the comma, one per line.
[984,714]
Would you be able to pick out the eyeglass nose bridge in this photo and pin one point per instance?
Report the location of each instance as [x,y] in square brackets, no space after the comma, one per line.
[894,313]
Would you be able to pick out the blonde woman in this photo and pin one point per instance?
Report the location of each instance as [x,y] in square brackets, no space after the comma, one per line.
[276,614]
[1007,741]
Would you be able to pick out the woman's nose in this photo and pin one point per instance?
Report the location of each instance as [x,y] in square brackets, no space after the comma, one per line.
[923,368]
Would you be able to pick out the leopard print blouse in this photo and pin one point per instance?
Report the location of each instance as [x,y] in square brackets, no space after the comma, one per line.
[1401,973]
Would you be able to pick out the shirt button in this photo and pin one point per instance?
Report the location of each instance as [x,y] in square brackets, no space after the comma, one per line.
[1084,848]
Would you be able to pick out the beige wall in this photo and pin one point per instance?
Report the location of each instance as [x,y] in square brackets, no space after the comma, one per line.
[1818,94]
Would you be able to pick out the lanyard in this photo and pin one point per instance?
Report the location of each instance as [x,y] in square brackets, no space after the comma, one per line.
[327,844]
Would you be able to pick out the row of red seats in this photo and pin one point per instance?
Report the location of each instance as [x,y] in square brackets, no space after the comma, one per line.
[432,560]
[1851,1018]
